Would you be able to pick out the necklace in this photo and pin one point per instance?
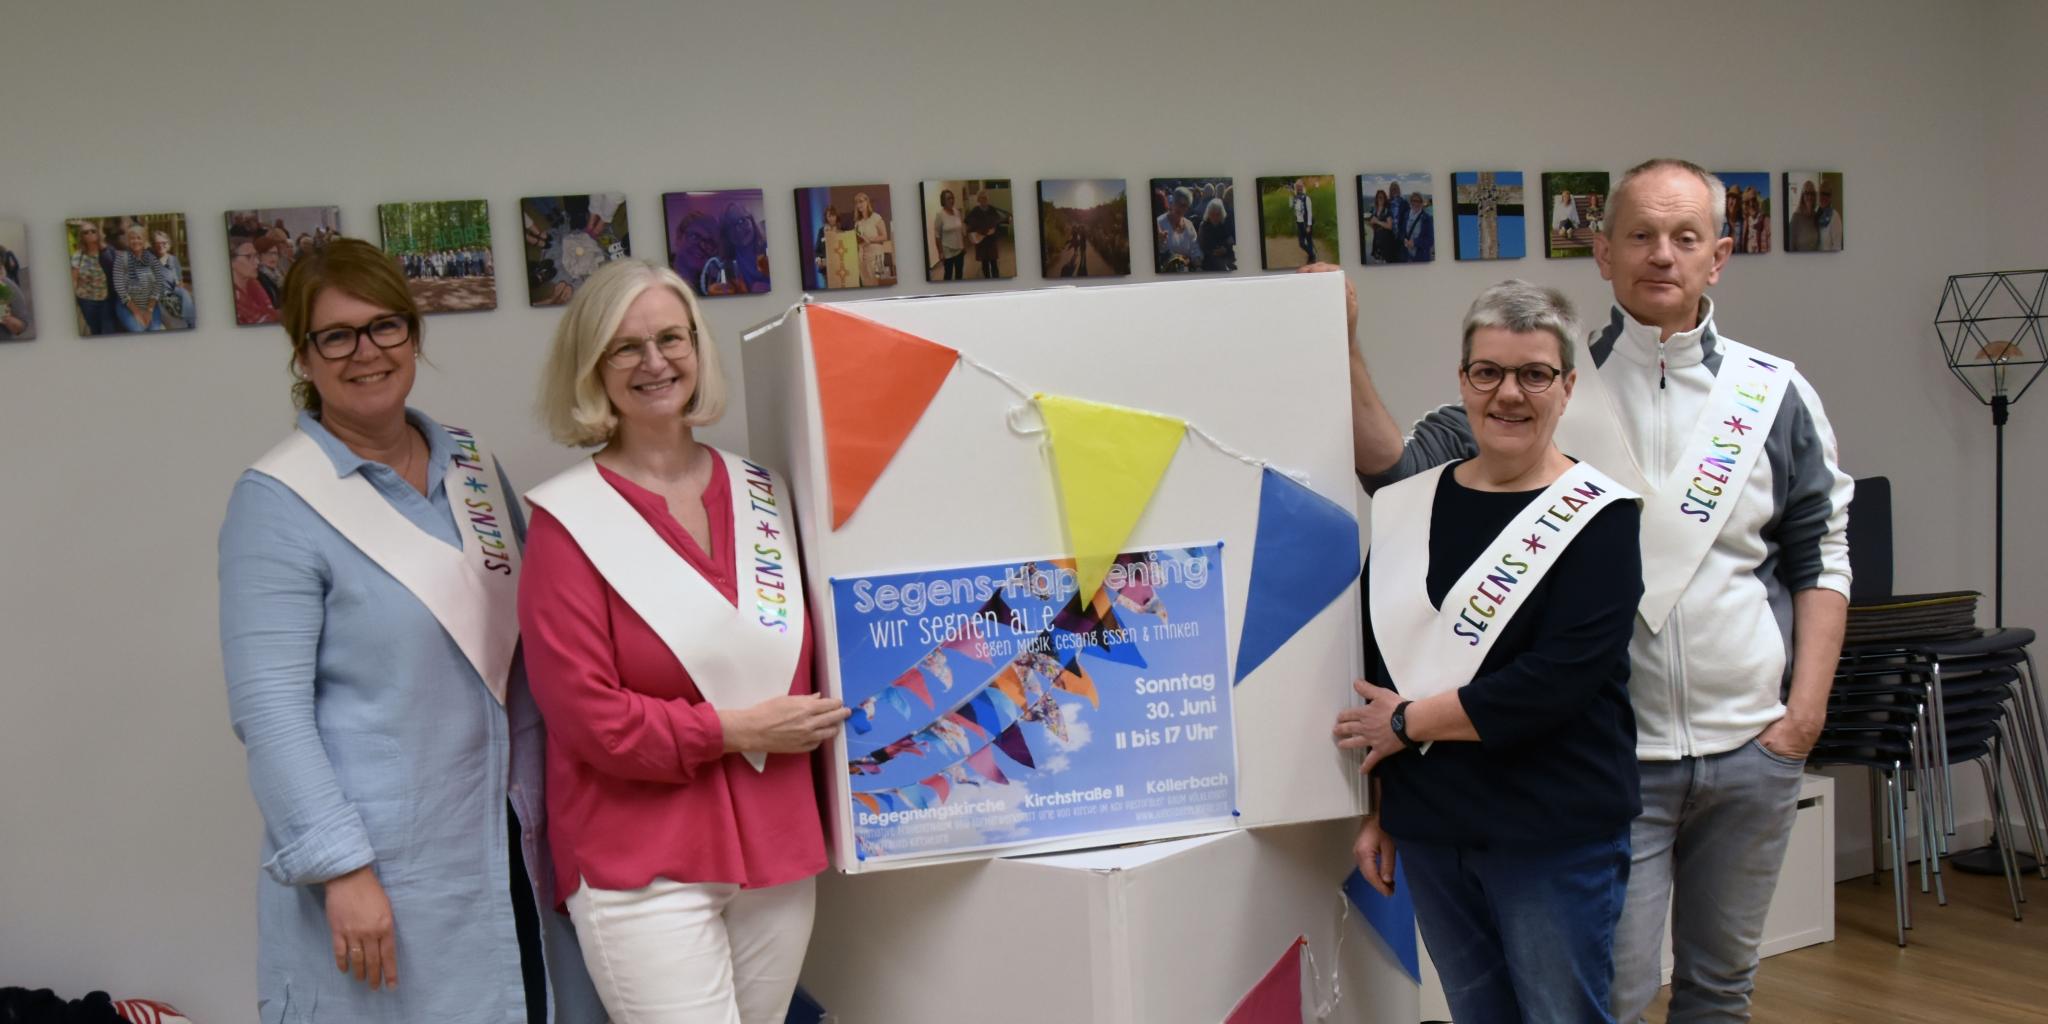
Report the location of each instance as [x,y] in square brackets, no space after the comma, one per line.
[405,471]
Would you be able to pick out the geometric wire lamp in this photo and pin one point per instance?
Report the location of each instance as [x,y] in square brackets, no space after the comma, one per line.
[1992,340]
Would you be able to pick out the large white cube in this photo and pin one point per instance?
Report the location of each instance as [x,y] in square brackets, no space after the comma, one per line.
[1171,931]
[1259,364]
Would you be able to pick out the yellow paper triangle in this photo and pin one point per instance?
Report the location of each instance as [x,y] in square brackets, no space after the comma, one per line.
[1107,461]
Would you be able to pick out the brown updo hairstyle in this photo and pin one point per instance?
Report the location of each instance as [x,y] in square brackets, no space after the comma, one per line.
[357,268]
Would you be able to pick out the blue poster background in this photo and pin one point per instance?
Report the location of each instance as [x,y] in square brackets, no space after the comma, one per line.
[1048,716]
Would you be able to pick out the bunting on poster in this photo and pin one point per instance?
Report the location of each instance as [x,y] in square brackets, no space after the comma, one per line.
[1392,918]
[1074,679]
[1276,999]
[986,718]
[874,384]
[913,681]
[984,764]
[1107,461]
[1011,742]
[1305,554]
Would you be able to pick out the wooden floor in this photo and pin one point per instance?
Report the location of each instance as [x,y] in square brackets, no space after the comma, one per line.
[1968,961]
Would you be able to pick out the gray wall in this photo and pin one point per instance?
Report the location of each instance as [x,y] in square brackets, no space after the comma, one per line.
[129,847]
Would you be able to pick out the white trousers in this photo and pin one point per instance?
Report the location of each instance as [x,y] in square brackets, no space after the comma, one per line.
[695,953]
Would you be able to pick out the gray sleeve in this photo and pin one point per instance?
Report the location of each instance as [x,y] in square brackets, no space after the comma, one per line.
[1441,436]
[1811,529]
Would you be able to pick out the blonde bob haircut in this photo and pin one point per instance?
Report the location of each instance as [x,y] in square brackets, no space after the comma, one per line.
[573,404]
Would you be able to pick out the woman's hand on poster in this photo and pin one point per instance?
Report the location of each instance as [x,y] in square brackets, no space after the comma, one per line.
[1350,296]
[1374,851]
[1371,726]
[359,919]
[795,724]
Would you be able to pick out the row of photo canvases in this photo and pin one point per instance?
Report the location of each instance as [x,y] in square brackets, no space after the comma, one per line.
[130,273]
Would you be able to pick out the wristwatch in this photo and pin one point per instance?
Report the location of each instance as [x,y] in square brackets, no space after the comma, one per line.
[1399,723]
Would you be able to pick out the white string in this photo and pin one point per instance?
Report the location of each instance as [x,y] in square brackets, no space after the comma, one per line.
[1325,1009]
[761,329]
[1021,427]
[1226,449]
[1006,380]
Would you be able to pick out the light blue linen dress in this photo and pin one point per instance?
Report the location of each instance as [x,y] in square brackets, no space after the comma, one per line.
[371,739]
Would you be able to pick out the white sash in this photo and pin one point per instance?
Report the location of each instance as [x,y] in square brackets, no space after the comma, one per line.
[1690,509]
[1430,650]
[473,592]
[737,656]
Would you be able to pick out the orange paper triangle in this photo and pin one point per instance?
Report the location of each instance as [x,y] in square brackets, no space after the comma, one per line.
[874,384]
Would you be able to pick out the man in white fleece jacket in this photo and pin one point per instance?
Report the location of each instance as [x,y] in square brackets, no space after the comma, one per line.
[1746,572]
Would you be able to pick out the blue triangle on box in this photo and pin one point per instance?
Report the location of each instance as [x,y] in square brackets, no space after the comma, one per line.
[803,1009]
[1305,555]
[1392,918]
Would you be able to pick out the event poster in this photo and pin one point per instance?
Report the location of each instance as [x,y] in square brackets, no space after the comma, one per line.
[994,708]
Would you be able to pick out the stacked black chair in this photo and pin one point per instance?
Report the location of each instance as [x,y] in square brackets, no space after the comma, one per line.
[1909,707]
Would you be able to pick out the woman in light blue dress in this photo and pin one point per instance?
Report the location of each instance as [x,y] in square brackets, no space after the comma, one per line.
[404,852]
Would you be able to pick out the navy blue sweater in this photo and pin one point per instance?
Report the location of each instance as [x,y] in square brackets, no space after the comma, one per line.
[1556,760]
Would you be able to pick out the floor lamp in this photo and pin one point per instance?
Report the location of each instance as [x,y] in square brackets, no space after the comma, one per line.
[1991,339]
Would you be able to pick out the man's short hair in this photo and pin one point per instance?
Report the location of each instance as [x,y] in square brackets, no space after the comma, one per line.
[1715,189]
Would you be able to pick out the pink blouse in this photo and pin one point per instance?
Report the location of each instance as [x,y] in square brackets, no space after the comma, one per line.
[639,784]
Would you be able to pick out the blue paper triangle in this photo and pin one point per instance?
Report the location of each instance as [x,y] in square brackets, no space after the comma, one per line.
[1305,555]
[1392,917]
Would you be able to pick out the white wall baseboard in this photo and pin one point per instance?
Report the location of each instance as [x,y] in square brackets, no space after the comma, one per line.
[1852,849]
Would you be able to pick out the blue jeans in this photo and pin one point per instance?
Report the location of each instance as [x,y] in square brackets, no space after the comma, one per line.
[126,318]
[1708,845]
[1520,931]
[97,315]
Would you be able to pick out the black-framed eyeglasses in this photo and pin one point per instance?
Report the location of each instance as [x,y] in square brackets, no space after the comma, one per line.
[388,331]
[1532,378]
[627,353]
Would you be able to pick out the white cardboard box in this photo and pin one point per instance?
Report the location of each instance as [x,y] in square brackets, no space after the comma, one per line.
[1259,363]
[1172,931]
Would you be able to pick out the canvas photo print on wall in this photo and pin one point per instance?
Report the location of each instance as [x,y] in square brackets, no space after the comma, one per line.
[1813,211]
[718,240]
[17,303]
[1084,227]
[968,232]
[1489,210]
[1746,210]
[844,236]
[1194,225]
[1574,209]
[1396,218]
[131,273]
[1298,220]
[262,246]
[445,250]
[567,239]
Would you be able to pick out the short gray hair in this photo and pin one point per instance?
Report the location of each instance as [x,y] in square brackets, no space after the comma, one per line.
[1521,307]
[1712,181]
